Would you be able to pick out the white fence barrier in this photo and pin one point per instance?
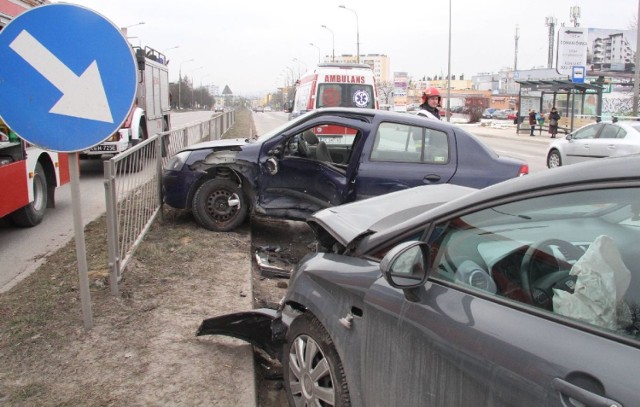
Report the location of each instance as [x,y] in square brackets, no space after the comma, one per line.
[133,187]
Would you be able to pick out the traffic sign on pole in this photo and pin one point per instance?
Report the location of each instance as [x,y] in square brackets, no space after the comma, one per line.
[572,49]
[68,80]
[578,74]
[68,77]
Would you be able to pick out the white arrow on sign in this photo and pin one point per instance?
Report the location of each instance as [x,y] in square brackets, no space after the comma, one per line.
[82,96]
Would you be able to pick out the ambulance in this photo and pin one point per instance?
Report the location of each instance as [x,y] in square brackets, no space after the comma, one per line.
[335,85]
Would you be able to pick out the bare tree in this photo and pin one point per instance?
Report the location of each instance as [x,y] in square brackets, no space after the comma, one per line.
[385,90]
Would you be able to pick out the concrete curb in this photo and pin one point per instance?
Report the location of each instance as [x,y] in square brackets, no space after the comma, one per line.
[506,131]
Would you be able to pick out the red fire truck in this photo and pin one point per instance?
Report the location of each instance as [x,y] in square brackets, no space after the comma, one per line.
[28,175]
[151,111]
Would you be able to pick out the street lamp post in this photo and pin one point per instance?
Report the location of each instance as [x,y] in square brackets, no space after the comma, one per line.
[299,63]
[123,30]
[357,32]
[333,43]
[180,83]
[314,45]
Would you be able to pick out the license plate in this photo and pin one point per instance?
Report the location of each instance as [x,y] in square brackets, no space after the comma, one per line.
[104,147]
[332,140]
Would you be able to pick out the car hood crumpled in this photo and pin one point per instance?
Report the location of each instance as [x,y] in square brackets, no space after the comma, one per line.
[347,222]
[217,144]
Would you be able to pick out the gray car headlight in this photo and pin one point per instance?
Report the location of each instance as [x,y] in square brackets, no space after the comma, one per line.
[177,161]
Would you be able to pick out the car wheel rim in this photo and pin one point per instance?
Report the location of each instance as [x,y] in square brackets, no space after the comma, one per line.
[554,161]
[223,205]
[311,381]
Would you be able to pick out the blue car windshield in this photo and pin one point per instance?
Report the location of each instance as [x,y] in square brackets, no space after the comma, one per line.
[274,132]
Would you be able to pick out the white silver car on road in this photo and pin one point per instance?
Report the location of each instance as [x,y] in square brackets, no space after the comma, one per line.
[596,140]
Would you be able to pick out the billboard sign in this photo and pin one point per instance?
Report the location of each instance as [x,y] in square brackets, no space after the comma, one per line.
[400,86]
[572,49]
[611,52]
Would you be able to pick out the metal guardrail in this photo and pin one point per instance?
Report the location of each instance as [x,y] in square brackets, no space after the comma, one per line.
[133,187]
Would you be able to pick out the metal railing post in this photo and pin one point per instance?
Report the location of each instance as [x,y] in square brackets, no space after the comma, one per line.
[112,226]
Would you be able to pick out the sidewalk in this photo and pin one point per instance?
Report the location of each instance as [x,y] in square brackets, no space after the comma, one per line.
[503,129]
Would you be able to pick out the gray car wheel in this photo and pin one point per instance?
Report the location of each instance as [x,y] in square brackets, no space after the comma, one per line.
[313,373]
[219,205]
[554,160]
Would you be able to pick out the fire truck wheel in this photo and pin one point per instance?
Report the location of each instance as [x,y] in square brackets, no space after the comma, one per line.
[220,205]
[32,214]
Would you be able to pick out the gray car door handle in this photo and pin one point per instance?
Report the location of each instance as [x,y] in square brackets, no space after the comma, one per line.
[568,390]
[432,178]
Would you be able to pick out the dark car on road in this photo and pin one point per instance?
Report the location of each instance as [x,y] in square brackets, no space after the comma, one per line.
[525,293]
[324,158]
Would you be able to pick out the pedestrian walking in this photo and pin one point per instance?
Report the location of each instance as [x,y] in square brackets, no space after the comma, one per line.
[540,120]
[532,121]
[554,116]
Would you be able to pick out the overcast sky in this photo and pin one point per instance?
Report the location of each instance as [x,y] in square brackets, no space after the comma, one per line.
[251,45]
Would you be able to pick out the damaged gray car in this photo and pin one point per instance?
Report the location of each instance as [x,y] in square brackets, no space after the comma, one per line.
[526,293]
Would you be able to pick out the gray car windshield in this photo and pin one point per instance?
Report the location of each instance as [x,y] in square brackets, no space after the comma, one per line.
[568,253]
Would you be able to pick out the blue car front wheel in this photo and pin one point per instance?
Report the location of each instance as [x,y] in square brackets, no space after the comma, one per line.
[220,205]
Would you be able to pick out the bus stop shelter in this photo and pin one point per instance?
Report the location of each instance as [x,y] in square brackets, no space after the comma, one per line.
[572,111]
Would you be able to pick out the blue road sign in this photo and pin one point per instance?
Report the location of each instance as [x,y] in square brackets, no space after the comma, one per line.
[67,77]
[578,74]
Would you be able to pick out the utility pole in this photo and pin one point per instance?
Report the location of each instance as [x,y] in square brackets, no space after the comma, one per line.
[636,76]
[448,111]
[515,59]
[551,23]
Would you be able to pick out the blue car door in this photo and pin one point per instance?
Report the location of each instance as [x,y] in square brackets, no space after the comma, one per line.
[404,156]
[305,175]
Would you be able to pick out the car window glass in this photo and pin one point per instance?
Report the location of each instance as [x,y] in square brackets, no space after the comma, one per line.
[329,143]
[410,144]
[571,254]
[609,131]
[588,132]
[345,95]
[622,133]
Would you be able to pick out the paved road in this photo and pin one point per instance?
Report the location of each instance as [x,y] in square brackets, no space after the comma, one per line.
[23,250]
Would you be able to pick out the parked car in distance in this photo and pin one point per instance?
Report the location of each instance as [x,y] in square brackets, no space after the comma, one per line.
[525,293]
[324,158]
[413,107]
[267,109]
[503,114]
[459,109]
[488,113]
[258,109]
[595,140]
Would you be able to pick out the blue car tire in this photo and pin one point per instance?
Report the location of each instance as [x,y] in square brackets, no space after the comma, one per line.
[219,205]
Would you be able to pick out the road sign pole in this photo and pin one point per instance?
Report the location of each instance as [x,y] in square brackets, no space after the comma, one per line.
[81,250]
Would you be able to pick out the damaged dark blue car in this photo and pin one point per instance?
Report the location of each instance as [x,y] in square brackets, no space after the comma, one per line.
[326,158]
[525,293]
